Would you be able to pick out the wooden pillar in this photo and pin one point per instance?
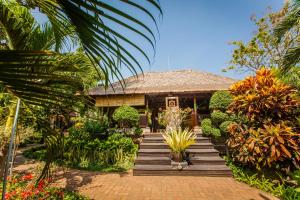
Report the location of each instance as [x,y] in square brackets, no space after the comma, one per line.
[195,111]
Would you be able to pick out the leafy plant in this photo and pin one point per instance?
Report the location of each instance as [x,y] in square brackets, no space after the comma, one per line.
[126,116]
[271,146]
[263,98]
[224,126]
[208,129]
[217,117]
[269,138]
[179,140]
[220,100]
[253,179]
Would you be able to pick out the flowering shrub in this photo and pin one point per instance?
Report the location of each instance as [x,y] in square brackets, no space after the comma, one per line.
[263,98]
[269,146]
[24,188]
[269,137]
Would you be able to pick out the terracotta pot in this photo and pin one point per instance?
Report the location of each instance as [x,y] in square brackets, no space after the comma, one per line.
[177,157]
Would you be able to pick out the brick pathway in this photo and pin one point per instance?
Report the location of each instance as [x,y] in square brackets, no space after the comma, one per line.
[127,187]
[124,186]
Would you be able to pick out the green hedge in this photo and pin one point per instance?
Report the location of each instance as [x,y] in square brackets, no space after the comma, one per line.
[218,117]
[220,100]
[126,116]
[208,130]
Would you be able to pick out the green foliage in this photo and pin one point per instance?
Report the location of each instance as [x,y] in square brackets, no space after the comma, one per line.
[224,127]
[35,153]
[126,116]
[208,129]
[269,137]
[264,49]
[250,177]
[116,153]
[138,131]
[217,117]
[206,122]
[179,140]
[220,100]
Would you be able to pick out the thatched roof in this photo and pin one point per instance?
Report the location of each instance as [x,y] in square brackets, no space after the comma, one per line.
[167,82]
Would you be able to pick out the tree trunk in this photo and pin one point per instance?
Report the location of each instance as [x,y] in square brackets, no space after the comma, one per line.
[3,156]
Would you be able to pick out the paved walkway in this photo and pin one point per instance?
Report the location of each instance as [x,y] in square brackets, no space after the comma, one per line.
[124,186]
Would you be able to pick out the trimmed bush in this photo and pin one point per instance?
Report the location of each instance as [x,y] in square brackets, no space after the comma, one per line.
[224,127]
[215,132]
[218,117]
[208,130]
[206,122]
[126,116]
[206,126]
[220,100]
[211,131]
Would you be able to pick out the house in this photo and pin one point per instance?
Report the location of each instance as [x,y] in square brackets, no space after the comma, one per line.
[154,91]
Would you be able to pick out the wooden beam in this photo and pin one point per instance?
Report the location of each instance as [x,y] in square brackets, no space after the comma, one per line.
[119,100]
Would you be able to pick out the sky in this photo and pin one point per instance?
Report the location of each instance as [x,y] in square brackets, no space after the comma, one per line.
[195,34]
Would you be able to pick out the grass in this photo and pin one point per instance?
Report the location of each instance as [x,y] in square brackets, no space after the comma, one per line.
[265,182]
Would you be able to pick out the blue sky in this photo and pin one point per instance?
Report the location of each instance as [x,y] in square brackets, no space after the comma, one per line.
[195,34]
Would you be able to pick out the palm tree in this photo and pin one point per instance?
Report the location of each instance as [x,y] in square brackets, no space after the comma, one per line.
[101,27]
[292,56]
[52,80]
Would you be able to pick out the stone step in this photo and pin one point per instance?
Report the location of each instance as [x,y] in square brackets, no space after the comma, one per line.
[151,135]
[152,161]
[192,170]
[165,146]
[207,160]
[166,152]
[199,139]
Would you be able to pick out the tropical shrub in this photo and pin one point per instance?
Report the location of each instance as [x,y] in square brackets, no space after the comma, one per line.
[24,188]
[220,100]
[224,127]
[126,116]
[217,117]
[263,182]
[209,130]
[263,98]
[271,146]
[206,122]
[179,140]
[87,153]
[206,125]
[269,138]
[95,126]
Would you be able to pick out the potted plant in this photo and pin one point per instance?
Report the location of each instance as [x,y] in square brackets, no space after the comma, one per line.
[178,141]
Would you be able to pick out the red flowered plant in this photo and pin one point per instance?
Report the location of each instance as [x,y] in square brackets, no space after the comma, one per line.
[24,188]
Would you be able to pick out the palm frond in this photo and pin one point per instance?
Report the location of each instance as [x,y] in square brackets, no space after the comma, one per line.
[39,77]
[100,27]
[288,21]
[291,58]
[16,23]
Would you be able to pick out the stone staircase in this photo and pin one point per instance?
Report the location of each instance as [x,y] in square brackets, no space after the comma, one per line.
[153,159]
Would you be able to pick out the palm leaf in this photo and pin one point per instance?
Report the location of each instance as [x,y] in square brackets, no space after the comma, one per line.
[100,27]
[39,77]
[289,21]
